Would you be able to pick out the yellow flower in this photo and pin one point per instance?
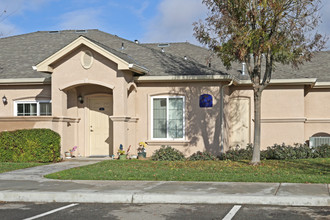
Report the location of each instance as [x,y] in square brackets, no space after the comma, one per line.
[143,144]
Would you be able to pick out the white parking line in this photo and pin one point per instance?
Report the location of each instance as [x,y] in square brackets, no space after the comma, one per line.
[232,212]
[50,212]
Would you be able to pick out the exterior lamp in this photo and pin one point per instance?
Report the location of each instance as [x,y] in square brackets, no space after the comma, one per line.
[4,100]
[80,99]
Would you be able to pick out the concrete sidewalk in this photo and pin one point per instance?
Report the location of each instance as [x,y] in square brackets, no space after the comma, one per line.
[28,185]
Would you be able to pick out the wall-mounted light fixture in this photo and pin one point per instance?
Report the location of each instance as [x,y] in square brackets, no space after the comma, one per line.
[81,99]
[4,100]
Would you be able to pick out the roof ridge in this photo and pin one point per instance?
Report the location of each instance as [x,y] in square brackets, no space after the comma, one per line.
[20,35]
[47,31]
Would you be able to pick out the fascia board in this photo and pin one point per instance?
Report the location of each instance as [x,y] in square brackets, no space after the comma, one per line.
[322,85]
[25,81]
[138,69]
[198,78]
[309,81]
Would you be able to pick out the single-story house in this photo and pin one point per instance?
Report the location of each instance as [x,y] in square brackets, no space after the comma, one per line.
[98,91]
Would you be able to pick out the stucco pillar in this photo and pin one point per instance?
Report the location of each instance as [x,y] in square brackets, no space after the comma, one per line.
[120,118]
[59,100]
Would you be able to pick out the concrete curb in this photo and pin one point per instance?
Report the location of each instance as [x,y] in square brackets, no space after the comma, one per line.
[138,198]
[229,199]
[65,197]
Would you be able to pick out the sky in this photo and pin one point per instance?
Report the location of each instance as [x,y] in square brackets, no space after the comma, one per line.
[145,20]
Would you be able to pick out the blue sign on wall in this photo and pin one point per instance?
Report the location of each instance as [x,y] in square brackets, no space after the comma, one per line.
[205,101]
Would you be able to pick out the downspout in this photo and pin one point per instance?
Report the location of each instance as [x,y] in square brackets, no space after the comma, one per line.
[221,113]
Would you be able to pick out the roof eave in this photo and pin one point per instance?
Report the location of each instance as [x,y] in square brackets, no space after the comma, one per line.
[322,85]
[304,81]
[138,69]
[25,81]
[187,78]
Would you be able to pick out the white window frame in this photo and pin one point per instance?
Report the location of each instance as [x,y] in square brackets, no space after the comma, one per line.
[31,102]
[167,97]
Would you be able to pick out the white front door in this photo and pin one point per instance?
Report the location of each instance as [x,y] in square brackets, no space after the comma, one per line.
[100,126]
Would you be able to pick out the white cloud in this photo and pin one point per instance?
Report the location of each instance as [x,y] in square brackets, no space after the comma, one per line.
[175,18]
[174,21]
[7,29]
[139,11]
[13,8]
[81,19]
[19,6]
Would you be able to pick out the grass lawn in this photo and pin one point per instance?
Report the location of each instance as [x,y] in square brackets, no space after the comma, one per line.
[9,166]
[291,171]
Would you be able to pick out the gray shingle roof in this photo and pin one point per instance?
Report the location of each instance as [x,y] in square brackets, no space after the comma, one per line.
[319,67]
[19,53]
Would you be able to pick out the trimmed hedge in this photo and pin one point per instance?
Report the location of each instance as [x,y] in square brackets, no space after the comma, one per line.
[33,145]
[279,152]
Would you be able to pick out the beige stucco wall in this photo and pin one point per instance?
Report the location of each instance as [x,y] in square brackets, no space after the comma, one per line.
[202,124]
[14,123]
[282,114]
[22,93]
[317,111]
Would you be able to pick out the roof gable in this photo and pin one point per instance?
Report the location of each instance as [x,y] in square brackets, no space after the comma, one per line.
[123,61]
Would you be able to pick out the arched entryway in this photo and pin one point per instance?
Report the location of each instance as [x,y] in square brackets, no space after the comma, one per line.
[93,104]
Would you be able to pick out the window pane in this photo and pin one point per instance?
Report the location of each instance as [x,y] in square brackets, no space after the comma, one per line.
[159,118]
[20,109]
[33,109]
[45,109]
[27,109]
[175,121]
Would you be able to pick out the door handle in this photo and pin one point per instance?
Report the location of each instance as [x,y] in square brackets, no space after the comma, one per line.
[91,128]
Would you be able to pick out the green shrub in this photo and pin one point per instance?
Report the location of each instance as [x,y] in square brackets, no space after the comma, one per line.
[279,152]
[34,145]
[284,152]
[167,153]
[322,151]
[202,156]
[238,153]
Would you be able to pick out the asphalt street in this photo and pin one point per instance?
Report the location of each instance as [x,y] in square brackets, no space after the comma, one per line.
[93,211]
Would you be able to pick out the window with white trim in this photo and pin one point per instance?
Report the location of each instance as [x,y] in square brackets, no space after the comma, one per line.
[167,115]
[33,108]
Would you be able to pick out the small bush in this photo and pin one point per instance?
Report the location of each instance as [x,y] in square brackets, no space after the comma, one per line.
[322,151]
[286,152]
[34,145]
[202,156]
[167,153]
[238,153]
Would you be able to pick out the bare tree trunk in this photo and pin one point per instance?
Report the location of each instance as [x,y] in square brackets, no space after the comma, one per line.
[257,126]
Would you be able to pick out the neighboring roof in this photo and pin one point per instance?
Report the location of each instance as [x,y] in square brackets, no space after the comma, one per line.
[318,68]
[19,53]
